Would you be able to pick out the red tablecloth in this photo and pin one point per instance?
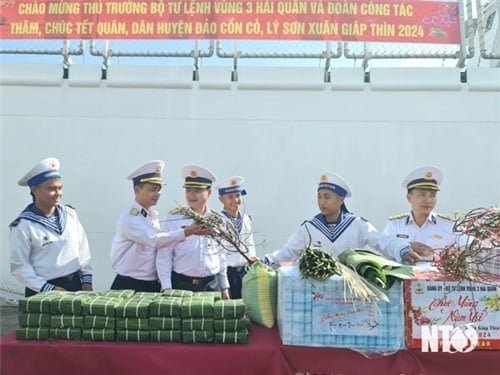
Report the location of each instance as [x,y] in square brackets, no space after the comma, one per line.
[262,355]
[408,362]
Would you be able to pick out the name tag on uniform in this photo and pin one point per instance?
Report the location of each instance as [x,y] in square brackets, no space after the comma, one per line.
[399,235]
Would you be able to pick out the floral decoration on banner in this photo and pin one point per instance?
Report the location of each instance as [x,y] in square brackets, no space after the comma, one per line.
[417,313]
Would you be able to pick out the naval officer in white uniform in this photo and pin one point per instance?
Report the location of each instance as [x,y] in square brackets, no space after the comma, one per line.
[198,263]
[426,230]
[49,249]
[138,236]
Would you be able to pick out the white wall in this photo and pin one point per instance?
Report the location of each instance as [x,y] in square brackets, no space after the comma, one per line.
[279,128]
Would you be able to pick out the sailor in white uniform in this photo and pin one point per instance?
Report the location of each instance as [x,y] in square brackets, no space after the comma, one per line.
[426,230]
[335,229]
[49,249]
[231,194]
[198,263]
[138,236]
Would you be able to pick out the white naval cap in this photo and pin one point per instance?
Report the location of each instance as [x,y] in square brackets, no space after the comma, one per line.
[423,178]
[149,172]
[197,177]
[44,170]
[335,183]
[232,185]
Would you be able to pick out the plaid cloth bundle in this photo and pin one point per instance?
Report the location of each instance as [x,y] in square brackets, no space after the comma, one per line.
[323,313]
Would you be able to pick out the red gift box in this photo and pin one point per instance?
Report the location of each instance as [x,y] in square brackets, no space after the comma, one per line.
[443,310]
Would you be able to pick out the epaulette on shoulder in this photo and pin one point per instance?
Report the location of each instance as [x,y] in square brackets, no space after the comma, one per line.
[14,223]
[70,206]
[400,216]
[451,218]
[134,212]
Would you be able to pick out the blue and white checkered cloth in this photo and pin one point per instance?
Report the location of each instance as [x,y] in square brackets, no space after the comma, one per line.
[296,320]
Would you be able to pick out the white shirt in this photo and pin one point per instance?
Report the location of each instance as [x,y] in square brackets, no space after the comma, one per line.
[436,232]
[358,235]
[196,256]
[38,254]
[233,257]
[137,241]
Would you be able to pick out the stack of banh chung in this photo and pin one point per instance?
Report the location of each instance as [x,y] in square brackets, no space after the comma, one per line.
[198,318]
[165,316]
[66,322]
[99,316]
[132,317]
[125,315]
[231,325]
[34,317]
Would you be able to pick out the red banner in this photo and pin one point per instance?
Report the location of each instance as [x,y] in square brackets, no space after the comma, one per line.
[412,21]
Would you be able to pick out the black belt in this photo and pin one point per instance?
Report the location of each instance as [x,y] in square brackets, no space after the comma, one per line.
[193,280]
[236,269]
[67,278]
[152,282]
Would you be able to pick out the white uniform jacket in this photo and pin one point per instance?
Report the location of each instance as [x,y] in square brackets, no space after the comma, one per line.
[358,234]
[437,231]
[38,254]
[196,256]
[137,240]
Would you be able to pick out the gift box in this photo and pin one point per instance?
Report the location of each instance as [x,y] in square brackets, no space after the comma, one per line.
[324,313]
[434,302]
